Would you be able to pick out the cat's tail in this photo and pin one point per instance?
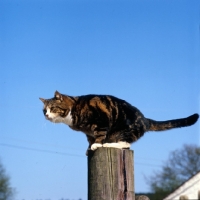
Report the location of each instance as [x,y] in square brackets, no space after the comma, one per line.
[174,123]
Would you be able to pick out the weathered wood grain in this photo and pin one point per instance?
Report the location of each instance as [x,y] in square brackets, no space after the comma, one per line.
[110,174]
[142,197]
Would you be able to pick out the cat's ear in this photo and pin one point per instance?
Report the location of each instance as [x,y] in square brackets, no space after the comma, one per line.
[43,100]
[58,96]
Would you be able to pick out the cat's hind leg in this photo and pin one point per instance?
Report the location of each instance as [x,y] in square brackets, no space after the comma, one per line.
[100,135]
[119,145]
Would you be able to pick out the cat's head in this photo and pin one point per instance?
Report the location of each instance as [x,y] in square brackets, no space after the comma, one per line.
[57,109]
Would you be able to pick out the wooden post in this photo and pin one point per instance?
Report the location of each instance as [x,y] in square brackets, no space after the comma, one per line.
[183,197]
[110,174]
[141,197]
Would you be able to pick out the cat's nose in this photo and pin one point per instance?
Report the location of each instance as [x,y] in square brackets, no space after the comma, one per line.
[47,116]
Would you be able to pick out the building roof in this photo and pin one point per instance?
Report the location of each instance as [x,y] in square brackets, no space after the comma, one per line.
[189,188]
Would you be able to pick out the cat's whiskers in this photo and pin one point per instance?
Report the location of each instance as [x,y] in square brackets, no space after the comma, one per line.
[44,124]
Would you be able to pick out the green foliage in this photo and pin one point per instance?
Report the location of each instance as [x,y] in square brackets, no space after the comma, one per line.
[6,192]
[181,165]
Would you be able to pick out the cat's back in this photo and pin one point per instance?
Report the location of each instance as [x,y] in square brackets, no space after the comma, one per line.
[107,104]
[100,100]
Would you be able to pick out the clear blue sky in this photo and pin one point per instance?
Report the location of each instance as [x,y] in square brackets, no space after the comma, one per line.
[146,52]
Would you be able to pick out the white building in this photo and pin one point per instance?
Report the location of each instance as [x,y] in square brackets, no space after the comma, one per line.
[189,190]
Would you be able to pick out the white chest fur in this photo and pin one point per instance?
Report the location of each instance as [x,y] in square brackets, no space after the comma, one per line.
[68,119]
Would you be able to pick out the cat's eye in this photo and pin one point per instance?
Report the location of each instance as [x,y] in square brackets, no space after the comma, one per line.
[51,109]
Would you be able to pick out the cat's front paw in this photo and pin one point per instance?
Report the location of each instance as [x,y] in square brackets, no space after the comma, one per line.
[95,146]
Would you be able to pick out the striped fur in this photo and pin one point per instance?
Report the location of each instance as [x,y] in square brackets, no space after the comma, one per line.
[105,119]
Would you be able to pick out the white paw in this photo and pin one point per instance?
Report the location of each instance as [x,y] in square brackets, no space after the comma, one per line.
[119,145]
[124,144]
[95,146]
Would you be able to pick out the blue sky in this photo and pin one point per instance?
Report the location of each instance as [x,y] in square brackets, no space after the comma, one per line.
[145,52]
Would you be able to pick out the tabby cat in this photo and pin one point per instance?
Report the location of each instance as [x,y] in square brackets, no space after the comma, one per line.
[106,120]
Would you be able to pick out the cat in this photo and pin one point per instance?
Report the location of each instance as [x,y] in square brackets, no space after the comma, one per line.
[106,120]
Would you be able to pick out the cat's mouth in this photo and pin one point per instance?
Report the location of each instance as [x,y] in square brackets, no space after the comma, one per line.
[48,118]
[54,119]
